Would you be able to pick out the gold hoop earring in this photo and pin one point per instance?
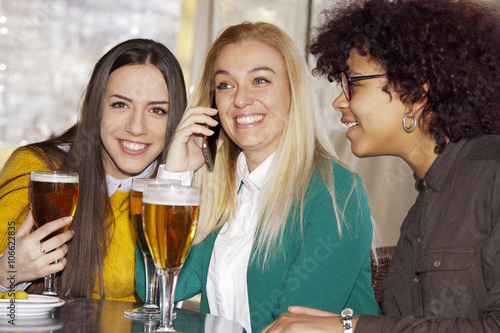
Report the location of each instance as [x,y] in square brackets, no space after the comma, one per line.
[413,123]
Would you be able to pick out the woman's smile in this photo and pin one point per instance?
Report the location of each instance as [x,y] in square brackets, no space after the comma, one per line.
[250,120]
[136,148]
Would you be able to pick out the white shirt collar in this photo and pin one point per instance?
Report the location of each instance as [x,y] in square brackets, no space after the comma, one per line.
[114,184]
[258,177]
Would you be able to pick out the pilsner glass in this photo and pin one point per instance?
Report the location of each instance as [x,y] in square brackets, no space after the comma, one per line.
[53,194]
[170,218]
[149,309]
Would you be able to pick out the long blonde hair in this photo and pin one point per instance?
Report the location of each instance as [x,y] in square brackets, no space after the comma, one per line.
[303,147]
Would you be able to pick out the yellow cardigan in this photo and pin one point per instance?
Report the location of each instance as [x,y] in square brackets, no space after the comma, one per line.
[119,264]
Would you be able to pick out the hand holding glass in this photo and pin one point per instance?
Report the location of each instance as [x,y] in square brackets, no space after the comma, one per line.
[53,194]
[170,218]
[149,309]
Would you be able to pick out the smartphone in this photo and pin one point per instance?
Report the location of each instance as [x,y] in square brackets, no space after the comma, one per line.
[209,145]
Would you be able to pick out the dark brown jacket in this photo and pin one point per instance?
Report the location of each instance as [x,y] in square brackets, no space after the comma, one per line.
[445,272]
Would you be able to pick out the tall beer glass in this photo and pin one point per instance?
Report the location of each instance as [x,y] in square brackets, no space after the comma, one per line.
[149,309]
[170,218]
[53,194]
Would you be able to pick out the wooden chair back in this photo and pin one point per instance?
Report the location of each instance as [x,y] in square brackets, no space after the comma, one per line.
[379,271]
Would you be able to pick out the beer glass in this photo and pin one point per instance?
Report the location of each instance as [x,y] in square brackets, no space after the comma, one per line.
[53,194]
[170,218]
[149,309]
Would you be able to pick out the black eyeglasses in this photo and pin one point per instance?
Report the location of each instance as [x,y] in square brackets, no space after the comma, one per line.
[347,81]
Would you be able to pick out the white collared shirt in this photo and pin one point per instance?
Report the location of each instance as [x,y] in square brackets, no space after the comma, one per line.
[227,274]
[114,184]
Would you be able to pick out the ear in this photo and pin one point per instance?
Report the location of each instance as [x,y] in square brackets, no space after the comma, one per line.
[418,106]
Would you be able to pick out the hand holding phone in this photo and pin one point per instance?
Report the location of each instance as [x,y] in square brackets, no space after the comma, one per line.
[209,145]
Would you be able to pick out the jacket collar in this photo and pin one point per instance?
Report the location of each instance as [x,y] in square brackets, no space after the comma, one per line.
[439,170]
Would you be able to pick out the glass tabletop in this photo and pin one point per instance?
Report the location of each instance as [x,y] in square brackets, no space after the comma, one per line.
[91,315]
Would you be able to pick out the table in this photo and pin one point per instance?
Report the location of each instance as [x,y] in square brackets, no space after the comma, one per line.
[91,315]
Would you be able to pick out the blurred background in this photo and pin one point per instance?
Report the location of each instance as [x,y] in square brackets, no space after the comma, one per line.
[48,49]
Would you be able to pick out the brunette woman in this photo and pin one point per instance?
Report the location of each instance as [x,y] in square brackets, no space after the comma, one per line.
[133,102]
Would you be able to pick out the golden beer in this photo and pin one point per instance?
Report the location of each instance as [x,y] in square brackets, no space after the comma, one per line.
[170,232]
[136,210]
[53,195]
[136,206]
[170,222]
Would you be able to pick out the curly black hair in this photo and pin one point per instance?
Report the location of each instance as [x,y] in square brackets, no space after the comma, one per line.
[453,46]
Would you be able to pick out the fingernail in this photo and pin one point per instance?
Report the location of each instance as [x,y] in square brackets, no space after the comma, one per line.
[68,219]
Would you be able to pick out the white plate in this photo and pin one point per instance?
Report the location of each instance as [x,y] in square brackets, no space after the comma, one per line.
[32,298]
[35,305]
[38,324]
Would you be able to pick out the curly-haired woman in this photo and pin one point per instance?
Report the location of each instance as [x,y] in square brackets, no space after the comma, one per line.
[421,80]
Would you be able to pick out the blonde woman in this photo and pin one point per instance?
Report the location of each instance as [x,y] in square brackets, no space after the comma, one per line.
[281,221]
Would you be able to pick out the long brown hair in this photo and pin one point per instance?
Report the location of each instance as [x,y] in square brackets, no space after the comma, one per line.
[94,216]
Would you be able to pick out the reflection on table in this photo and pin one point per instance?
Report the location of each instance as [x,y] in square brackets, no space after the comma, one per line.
[90,315]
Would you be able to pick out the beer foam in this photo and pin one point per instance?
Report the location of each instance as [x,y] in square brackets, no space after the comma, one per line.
[171,195]
[50,177]
[138,184]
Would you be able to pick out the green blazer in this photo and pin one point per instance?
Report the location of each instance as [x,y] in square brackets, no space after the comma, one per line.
[316,268]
